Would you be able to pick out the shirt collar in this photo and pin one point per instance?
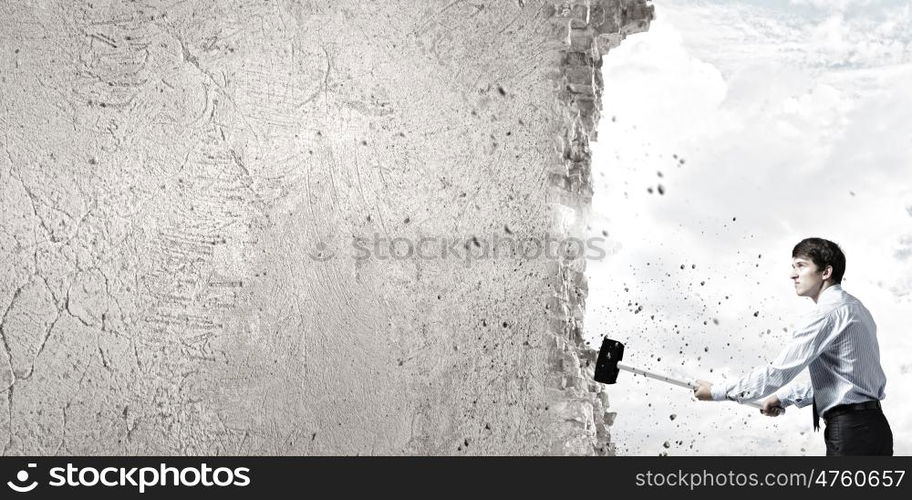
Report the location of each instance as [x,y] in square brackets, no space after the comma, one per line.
[830,293]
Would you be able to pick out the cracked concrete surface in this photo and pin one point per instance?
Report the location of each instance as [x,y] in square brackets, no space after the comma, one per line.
[169,171]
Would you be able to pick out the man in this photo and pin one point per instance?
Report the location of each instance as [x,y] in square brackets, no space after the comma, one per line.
[838,344]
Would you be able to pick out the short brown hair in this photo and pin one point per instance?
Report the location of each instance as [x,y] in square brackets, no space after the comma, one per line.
[822,253]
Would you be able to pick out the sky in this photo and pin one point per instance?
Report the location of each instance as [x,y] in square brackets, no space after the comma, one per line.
[730,131]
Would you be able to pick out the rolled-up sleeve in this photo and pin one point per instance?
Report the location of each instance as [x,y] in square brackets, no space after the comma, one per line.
[807,343]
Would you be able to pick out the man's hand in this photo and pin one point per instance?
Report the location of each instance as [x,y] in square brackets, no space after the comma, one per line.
[703,390]
[771,406]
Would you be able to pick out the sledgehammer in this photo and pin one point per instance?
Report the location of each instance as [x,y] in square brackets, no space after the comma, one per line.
[608,366]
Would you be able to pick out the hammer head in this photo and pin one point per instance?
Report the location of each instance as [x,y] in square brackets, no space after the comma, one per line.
[606,366]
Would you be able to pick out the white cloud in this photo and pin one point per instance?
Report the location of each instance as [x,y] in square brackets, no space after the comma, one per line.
[744,34]
[831,4]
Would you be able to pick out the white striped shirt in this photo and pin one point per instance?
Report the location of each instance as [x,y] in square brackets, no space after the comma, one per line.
[838,344]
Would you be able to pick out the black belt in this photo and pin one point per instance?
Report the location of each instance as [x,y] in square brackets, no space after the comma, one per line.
[840,409]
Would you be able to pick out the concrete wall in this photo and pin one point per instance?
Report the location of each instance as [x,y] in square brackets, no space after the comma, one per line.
[187,193]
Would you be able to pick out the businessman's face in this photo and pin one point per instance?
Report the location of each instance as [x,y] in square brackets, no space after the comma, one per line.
[807,278]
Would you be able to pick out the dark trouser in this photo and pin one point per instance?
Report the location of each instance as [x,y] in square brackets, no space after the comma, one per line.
[863,432]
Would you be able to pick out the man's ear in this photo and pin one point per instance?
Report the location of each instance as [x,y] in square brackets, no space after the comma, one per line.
[827,273]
